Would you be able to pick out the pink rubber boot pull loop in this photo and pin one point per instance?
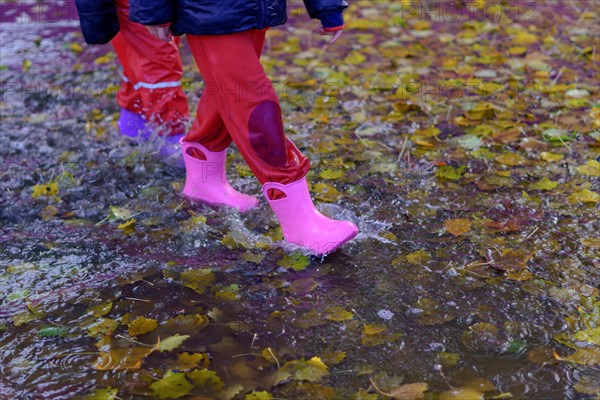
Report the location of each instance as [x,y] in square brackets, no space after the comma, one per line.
[303,224]
[206,180]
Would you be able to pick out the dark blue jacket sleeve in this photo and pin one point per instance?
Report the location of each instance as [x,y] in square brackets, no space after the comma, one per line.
[99,20]
[319,8]
[152,12]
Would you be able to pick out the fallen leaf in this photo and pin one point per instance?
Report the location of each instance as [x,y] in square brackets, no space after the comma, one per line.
[172,386]
[141,325]
[458,226]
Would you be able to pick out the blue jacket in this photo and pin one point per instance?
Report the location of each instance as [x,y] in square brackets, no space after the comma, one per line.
[216,17]
[99,20]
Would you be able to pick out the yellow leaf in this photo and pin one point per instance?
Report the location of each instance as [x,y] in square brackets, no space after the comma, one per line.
[102,394]
[187,361]
[316,361]
[461,394]
[197,279]
[103,60]
[27,65]
[510,159]
[76,48]
[128,227]
[585,356]
[418,257]
[584,196]
[338,314]
[101,309]
[458,226]
[523,38]
[551,157]
[331,174]
[370,329]
[141,325]
[543,184]
[122,359]
[412,391]
[170,343]
[45,189]
[592,168]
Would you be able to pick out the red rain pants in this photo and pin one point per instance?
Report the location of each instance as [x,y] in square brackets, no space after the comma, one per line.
[152,72]
[239,104]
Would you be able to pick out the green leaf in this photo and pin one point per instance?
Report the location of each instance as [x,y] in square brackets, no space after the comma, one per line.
[102,394]
[52,331]
[296,261]
[172,386]
[450,173]
[258,396]
[171,342]
[543,184]
[591,335]
[206,380]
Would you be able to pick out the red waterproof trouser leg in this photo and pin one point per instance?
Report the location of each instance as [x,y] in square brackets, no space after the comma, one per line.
[152,74]
[239,103]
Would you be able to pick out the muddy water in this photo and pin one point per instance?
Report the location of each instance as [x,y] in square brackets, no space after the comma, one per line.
[450,320]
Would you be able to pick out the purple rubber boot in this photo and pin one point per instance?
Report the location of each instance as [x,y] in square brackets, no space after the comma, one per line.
[206,180]
[303,224]
[133,125]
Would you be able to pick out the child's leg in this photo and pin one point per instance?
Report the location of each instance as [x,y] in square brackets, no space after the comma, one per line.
[152,74]
[240,92]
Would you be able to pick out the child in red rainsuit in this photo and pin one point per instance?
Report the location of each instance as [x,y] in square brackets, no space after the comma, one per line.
[239,104]
[150,94]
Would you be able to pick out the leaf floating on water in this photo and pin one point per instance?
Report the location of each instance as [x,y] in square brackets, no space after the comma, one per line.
[122,359]
[141,325]
[197,279]
[259,396]
[101,309]
[591,335]
[172,386]
[102,394]
[170,343]
[188,361]
[412,391]
[53,331]
[375,335]
[312,370]
[295,261]
[461,394]
[586,356]
[206,380]
[418,257]
[102,326]
[337,314]
[458,226]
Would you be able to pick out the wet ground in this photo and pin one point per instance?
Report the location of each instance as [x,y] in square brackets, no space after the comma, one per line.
[462,144]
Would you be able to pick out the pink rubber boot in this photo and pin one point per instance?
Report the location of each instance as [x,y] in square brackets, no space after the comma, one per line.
[206,181]
[302,224]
